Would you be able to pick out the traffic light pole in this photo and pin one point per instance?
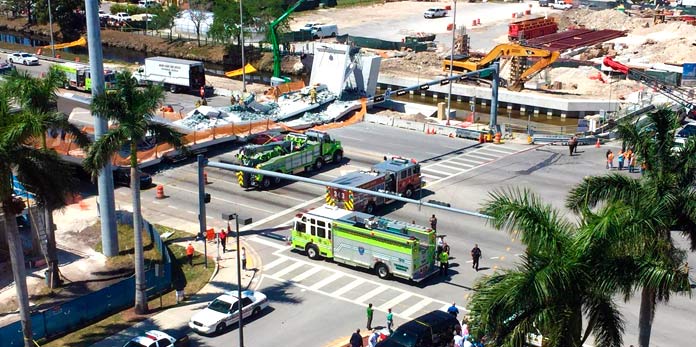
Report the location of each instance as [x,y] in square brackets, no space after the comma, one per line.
[202,161]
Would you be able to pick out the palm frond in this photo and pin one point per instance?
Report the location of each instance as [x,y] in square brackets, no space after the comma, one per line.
[37,169]
[607,321]
[166,134]
[102,150]
[24,126]
[522,212]
[595,189]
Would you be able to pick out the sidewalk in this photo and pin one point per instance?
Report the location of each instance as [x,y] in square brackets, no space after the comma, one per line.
[224,279]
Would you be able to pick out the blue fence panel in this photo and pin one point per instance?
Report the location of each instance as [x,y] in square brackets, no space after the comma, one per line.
[75,313]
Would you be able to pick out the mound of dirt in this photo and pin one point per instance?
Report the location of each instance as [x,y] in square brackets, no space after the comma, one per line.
[605,19]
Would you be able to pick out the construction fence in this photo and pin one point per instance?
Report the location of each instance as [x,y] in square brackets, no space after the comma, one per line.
[79,312]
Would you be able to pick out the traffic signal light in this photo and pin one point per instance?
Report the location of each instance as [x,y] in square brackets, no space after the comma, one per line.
[206,198]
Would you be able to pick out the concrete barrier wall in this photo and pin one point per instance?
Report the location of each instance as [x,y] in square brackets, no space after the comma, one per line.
[384,120]
[408,124]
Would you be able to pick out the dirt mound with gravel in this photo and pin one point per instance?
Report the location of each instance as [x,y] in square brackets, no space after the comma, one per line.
[605,19]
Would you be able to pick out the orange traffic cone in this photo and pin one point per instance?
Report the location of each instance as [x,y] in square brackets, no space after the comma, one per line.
[597,145]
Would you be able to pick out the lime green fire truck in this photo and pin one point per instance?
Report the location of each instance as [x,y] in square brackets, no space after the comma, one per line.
[78,76]
[387,246]
[296,153]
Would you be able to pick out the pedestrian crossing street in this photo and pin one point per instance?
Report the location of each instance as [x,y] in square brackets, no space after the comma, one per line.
[316,276]
[442,168]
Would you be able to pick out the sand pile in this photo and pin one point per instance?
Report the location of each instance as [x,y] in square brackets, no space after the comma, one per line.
[585,80]
[669,42]
[605,19]
[423,63]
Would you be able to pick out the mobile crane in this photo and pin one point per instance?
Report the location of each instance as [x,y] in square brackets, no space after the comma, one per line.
[274,37]
[518,75]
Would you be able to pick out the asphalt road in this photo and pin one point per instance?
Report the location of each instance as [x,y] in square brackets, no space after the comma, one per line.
[315,302]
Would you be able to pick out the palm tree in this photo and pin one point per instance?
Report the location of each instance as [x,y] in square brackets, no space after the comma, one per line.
[38,97]
[556,288]
[669,181]
[37,170]
[131,107]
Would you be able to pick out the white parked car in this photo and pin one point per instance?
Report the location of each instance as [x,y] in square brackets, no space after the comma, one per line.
[22,58]
[561,6]
[224,311]
[156,338]
[122,17]
[103,14]
[435,12]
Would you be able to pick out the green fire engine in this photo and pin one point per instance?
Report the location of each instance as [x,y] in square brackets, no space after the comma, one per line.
[387,246]
[296,153]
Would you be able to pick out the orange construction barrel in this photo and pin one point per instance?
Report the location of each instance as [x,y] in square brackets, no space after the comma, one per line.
[160,192]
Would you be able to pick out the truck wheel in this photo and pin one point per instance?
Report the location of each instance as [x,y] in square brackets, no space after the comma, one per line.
[382,271]
[266,182]
[277,180]
[318,164]
[408,193]
[370,209]
[312,252]
[337,157]
[256,311]
[172,88]
[219,328]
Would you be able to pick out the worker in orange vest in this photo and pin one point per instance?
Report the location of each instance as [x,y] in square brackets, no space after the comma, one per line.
[610,159]
[189,254]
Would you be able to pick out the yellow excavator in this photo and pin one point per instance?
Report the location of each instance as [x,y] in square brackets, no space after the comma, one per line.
[519,73]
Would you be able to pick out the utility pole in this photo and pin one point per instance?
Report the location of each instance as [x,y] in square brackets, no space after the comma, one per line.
[50,23]
[239,284]
[105,181]
[201,207]
[494,98]
[454,30]
[241,40]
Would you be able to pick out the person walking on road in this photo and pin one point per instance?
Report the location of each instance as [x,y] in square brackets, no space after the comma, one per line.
[610,159]
[453,310]
[243,258]
[571,145]
[475,256]
[356,340]
[440,244]
[189,254]
[621,158]
[433,222]
[444,263]
[223,240]
[390,321]
[370,313]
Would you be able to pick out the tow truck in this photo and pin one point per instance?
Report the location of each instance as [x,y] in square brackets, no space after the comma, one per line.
[296,153]
[396,175]
[387,246]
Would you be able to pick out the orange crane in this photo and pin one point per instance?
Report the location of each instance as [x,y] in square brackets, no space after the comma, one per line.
[518,72]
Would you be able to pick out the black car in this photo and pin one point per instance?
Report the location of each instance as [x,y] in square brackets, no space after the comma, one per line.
[434,329]
[122,178]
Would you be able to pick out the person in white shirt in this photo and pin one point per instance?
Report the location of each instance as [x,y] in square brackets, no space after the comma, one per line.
[458,340]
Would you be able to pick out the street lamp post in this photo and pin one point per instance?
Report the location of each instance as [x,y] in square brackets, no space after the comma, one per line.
[454,29]
[246,221]
[241,38]
[50,24]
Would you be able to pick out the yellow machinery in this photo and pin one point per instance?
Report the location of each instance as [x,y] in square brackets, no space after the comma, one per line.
[518,72]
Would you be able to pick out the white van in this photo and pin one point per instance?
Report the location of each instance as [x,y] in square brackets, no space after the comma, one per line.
[147,3]
[324,30]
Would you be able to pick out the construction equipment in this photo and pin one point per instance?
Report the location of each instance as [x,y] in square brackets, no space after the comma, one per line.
[297,153]
[681,96]
[387,246]
[274,37]
[396,175]
[519,73]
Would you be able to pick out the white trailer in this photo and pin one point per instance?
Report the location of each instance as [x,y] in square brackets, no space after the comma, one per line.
[173,74]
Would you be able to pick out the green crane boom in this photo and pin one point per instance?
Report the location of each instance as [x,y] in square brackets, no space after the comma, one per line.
[274,37]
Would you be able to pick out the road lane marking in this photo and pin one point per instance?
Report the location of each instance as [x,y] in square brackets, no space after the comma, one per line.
[172,207]
[288,269]
[456,163]
[262,241]
[306,274]
[504,150]
[191,212]
[370,294]
[347,287]
[326,281]
[220,199]
[416,307]
[284,196]
[431,176]
[393,302]
[282,213]
[438,172]
[274,263]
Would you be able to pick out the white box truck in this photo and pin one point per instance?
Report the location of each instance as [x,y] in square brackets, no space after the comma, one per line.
[175,75]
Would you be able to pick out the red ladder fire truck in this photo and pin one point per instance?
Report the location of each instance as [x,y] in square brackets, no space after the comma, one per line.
[396,176]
